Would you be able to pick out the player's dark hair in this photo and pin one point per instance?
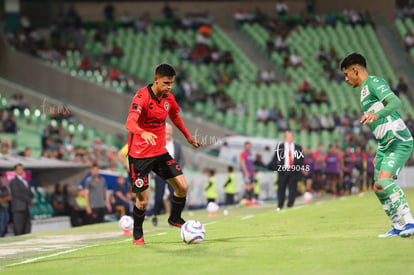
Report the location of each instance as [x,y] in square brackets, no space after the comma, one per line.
[230,168]
[17,165]
[353,59]
[164,70]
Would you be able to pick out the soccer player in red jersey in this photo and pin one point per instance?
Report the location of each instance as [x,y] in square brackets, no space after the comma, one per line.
[146,146]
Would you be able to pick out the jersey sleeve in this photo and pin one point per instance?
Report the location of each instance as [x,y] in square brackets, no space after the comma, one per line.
[139,102]
[380,88]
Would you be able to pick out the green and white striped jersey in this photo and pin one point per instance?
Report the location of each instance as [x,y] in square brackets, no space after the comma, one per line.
[373,92]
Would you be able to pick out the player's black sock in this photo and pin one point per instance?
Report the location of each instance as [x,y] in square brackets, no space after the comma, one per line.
[139,216]
[177,207]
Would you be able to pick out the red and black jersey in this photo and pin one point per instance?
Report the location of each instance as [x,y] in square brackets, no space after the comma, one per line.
[153,113]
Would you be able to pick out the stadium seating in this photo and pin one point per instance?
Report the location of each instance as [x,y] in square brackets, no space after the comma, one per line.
[32,121]
[403,26]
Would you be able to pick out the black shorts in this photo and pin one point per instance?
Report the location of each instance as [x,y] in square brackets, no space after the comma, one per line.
[164,166]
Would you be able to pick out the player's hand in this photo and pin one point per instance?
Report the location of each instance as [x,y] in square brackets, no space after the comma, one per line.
[88,210]
[368,118]
[196,143]
[149,137]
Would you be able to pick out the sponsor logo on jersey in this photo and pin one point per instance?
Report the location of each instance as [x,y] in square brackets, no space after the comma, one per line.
[382,88]
[364,92]
[166,105]
[154,123]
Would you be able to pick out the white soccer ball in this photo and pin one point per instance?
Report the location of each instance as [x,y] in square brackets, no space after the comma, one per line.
[193,232]
[308,197]
[212,207]
[126,223]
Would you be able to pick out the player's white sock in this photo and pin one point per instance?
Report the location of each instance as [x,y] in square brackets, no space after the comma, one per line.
[408,218]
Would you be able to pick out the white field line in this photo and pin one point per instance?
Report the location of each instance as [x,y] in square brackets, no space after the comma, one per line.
[247,217]
[76,249]
[51,255]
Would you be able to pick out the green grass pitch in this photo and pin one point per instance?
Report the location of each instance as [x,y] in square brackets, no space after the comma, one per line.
[329,237]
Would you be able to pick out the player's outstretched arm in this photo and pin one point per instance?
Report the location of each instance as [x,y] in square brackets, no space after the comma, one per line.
[178,122]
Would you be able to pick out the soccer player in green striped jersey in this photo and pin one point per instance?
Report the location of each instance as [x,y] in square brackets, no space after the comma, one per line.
[395,143]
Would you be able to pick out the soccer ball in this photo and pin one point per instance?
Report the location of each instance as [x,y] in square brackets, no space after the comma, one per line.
[126,223]
[193,232]
[212,207]
[308,197]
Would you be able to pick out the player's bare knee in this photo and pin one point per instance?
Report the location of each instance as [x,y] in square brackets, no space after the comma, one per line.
[142,205]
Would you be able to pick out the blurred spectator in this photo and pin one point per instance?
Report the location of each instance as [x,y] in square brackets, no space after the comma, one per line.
[402,87]
[203,36]
[322,55]
[314,123]
[109,12]
[228,58]
[281,44]
[410,123]
[262,115]
[295,60]
[122,196]
[4,149]
[17,102]
[85,64]
[141,24]
[273,114]
[168,11]
[258,162]
[13,148]
[327,122]
[72,207]
[281,8]
[184,51]
[22,200]
[28,152]
[125,20]
[96,196]
[58,201]
[114,74]
[270,45]
[9,125]
[5,198]
[241,107]
[117,51]
[292,115]
[242,16]
[282,124]
[267,76]
[25,23]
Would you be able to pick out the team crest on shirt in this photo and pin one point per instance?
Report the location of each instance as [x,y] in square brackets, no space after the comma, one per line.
[166,105]
[364,92]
